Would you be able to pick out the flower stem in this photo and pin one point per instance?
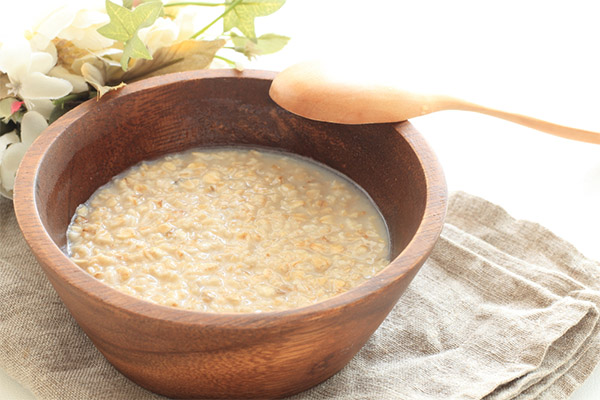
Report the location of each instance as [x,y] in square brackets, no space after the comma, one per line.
[227,10]
[194,3]
[71,97]
[227,60]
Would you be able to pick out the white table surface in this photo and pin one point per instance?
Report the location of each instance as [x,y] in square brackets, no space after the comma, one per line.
[537,57]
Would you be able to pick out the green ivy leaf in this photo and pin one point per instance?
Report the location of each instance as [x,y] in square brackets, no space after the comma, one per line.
[265,44]
[242,16]
[121,26]
[135,48]
[128,4]
[124,26]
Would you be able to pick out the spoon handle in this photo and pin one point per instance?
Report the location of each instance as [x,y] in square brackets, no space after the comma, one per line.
[541,125]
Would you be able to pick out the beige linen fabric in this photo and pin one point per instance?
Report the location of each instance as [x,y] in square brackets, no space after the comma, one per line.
[503,309]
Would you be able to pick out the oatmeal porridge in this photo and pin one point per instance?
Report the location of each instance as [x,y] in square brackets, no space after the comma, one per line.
[229,230]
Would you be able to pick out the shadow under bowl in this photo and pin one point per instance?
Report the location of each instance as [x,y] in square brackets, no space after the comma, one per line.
[190,354]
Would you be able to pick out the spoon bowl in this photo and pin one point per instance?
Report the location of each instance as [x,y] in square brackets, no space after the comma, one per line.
[319,91]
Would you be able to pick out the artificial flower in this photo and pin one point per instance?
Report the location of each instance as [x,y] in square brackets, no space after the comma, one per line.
[79,26]
[79,84]
[6,140]
[164,32]
[8,108]
[26,71]
[12,149]
[186,21]
[65,59]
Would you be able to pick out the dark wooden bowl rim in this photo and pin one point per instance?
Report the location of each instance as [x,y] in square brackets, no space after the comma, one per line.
[48,252]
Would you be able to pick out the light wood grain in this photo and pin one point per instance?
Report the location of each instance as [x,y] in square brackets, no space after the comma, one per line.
[316,90]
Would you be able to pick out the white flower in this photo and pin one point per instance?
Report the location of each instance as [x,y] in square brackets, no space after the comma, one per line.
[162,33]
[6,140]
[43,106]
[166,32]
[26,70]
[79,84]
[186,21]
[79,26]
[12,150]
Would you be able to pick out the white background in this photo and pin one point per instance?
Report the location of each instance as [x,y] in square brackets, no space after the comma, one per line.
[540,58]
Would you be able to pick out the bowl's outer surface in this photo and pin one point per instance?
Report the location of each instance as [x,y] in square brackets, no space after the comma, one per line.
[190,354]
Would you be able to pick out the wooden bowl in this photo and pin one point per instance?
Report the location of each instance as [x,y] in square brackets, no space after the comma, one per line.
[191,354]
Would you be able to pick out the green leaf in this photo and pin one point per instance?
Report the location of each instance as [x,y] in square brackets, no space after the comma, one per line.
[146,14]
[56,113]
[124,26]
[134,48]
[120,26]
[129,3]
[265,44]
[69,102]
[242,16]
[124,23]
[5,109]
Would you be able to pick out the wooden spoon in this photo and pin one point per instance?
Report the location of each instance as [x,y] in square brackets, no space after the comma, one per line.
[313,91]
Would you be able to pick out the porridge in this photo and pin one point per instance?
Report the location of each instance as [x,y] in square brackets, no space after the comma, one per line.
[229,230]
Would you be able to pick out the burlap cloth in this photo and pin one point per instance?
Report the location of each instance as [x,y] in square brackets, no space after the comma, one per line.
[502,309]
